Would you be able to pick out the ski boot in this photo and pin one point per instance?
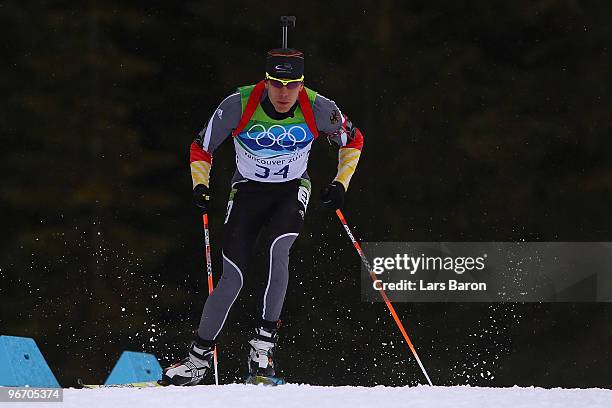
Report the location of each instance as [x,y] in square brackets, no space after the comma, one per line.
[261,358]
[192,369]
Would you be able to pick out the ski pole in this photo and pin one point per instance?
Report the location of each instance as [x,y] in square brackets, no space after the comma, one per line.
[210,282]
[382,292]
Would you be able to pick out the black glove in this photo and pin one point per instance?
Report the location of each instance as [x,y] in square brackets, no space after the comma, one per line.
[332,195]
[201,196]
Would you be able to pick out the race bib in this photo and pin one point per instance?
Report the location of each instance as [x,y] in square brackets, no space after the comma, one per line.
[274,154]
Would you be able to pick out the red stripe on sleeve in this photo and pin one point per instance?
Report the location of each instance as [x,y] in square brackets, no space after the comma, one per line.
[196,153]
[357,142]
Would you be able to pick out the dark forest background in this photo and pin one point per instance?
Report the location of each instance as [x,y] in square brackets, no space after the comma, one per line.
[483,122]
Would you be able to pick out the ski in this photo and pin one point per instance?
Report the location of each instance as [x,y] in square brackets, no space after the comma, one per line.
[251,380]
[268,381]
[142,384]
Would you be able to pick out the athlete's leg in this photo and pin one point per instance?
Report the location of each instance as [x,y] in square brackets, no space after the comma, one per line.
[281,232]
[244,219]
[288,209]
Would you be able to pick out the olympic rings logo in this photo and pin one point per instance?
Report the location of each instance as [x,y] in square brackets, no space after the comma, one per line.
[286,138]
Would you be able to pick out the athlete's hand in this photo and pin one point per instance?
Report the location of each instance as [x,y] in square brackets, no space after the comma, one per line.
[332,195]
[201,196]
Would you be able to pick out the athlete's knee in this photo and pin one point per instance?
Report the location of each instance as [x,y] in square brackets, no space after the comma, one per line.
[232,278]
[278,261]
[280,245]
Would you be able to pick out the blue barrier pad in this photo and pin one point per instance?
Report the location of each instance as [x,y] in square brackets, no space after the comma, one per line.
[135,367]
[22,363]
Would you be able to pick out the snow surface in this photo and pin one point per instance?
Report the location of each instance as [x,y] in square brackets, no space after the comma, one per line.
[293,395]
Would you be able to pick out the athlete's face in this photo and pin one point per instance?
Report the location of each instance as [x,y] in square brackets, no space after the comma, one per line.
[283,98]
